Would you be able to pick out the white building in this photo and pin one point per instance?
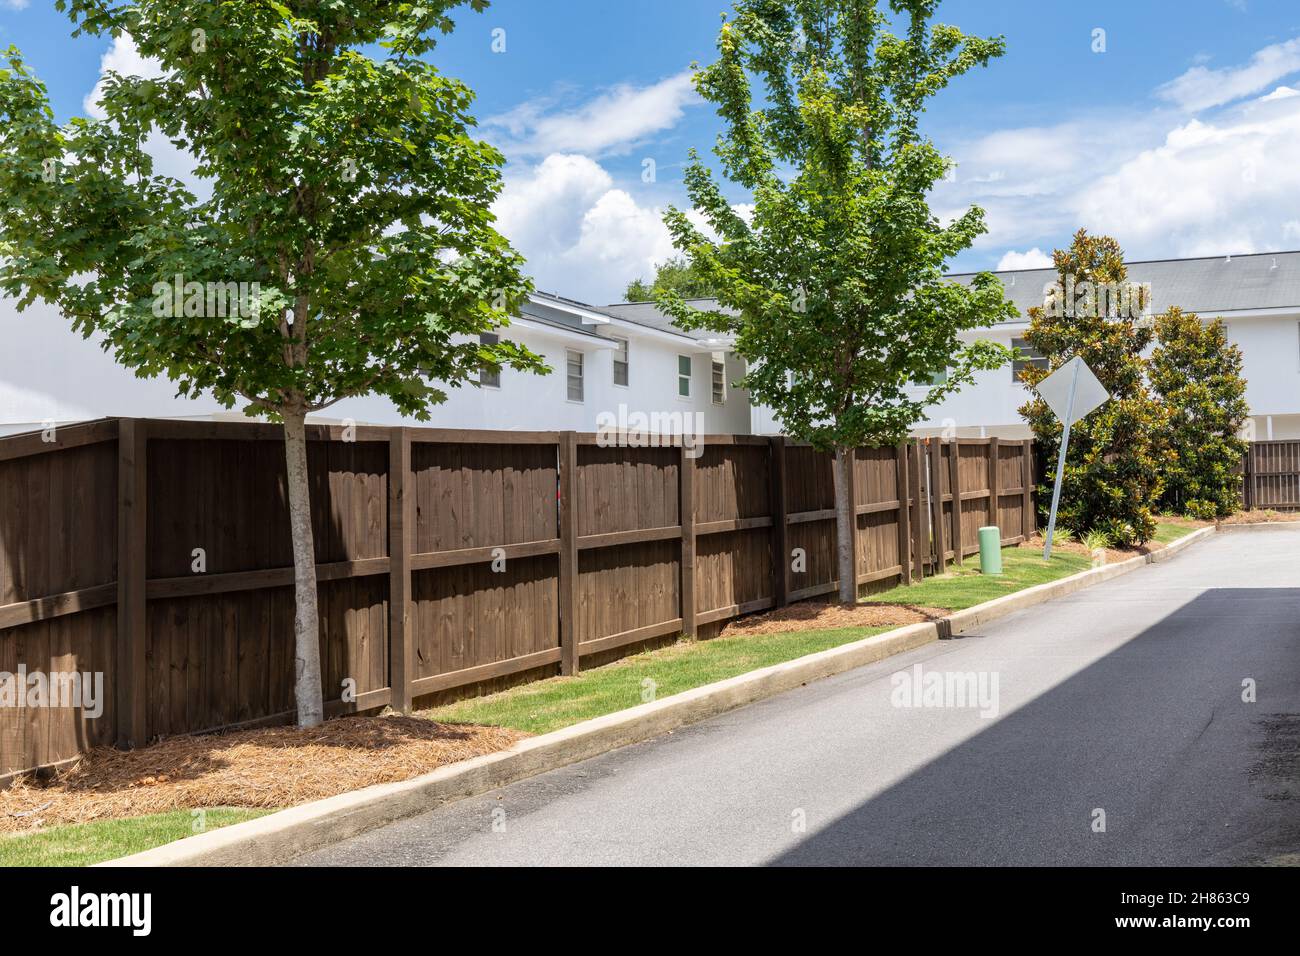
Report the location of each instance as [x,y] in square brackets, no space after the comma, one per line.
[615,361]
[1257,296]
[630,358]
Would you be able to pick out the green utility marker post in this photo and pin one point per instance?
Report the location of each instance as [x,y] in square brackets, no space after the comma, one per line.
[990,550]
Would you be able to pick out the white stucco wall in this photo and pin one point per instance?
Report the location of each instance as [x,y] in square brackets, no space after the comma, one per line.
[1270,347]
[47,372]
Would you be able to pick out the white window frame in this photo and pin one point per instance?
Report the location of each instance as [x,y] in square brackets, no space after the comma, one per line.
[1039,361]
[685,376]
[718,381]
[569,356]
[625,350]
[489,338]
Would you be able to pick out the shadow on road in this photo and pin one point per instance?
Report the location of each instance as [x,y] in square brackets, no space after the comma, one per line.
[1155,734]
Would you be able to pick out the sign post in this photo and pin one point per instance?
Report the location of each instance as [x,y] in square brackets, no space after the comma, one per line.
[1072,391]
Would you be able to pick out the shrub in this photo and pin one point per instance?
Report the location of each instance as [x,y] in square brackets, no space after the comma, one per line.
[1196,373]
[1112,474]
[1093,540]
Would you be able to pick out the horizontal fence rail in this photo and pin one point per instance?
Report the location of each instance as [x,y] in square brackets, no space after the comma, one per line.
[157,554]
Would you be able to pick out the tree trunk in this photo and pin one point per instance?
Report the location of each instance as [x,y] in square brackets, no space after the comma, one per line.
[307,683]
[844,522]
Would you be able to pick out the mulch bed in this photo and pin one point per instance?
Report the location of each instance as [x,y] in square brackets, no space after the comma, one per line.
[1260,516]
[1113,555]
[269,768]
[814,616]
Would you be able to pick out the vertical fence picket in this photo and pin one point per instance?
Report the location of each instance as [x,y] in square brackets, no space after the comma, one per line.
[401,533]
[568,583]
[132,550]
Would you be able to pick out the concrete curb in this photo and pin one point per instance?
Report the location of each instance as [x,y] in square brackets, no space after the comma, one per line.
[280,836]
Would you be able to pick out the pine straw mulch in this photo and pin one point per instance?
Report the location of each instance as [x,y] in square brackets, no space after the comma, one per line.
[269,768]
[1113,555]
[818,616]
[1260,516]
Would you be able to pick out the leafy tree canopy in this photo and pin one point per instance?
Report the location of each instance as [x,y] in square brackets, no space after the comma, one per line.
[1112,477]
[833,287]
[676,275]
[1196,373]
[350,190]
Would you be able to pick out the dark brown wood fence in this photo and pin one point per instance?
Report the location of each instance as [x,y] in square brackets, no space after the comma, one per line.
[1272,476]
[445,559]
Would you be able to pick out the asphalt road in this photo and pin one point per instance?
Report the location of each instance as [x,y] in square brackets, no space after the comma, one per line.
[1124,698]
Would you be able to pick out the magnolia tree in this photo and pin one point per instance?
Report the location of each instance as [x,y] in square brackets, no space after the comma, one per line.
[833,284]
[1196,373]
[345,212]
[1112,476]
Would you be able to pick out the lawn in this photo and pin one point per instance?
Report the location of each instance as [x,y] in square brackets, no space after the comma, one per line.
[1022,568]
[964,586]
[557,702]
[83,844]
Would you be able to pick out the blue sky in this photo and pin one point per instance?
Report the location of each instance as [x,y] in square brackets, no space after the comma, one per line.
[1181,138]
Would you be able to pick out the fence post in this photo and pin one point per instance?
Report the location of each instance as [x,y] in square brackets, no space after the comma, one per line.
[954,482]
[780,538]
[1027,517]
[132,549]
[686,514]
[995,488]
[1248,478]
[568,461]
[401,533]
[935,449]
[904,514]
[920,537]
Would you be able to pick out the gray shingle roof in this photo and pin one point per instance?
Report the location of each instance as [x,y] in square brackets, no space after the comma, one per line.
[1266,280]
[648,314]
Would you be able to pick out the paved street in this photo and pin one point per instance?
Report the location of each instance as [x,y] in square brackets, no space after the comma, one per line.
[1124,698]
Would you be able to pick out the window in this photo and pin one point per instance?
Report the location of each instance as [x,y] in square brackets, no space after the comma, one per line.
[684,376]
[719,383]
[620,362]
[934,378]
[575,375]
[489,377]
[1032,357]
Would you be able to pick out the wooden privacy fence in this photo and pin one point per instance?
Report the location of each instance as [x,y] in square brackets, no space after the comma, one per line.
[157,553]
[1272,476]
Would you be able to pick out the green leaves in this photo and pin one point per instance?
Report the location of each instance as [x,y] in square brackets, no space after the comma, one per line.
[347,190]
[833,285]
[1196,373]
[1112,479]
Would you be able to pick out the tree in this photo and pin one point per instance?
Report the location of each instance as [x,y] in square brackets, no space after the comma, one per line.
[1111,480]
[672,275]
[348,217]
[1196,373]
[834,288]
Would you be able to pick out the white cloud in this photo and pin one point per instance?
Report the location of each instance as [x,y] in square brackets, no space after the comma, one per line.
[1035,258]
[124,58]
[582,235]
[1281,93]
[1162,183]
[612,123]
[1209,188]
[15,4]
[1200,88]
